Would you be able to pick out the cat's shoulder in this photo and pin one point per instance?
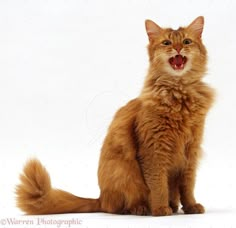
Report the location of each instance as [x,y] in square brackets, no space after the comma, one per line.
[132,106]
[201,95]
[126,115]
[204,91]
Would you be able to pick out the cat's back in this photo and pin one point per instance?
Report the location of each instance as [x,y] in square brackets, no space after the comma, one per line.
[125,116]
[119,142]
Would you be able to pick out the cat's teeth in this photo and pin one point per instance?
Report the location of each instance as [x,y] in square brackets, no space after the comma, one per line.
[179,68]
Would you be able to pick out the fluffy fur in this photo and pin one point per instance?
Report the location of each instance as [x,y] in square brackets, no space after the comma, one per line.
[150,154]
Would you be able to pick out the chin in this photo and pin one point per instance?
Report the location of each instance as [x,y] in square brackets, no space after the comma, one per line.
[179,73]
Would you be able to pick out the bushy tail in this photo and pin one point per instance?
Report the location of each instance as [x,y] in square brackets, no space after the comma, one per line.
[36,196]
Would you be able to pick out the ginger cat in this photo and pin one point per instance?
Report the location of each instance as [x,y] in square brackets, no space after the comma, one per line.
[150,154]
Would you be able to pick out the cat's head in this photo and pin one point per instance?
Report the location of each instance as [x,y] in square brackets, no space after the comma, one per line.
[177,53]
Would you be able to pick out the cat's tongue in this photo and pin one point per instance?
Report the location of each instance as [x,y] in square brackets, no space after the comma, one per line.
[178,62]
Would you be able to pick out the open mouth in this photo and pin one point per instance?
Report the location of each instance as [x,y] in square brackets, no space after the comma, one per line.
[178,62]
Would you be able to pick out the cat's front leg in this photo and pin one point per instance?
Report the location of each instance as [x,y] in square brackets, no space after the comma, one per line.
[187,184]
[159,194]
[156,177]
[187,193]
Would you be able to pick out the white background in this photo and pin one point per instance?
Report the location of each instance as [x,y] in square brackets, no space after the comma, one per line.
[67,66]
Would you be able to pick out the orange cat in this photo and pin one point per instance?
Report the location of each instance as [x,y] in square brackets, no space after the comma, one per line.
[150,154]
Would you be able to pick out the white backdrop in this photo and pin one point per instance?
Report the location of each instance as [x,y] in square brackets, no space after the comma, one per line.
[67,66]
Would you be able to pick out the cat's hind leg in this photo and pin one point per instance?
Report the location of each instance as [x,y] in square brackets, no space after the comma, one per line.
[123,190]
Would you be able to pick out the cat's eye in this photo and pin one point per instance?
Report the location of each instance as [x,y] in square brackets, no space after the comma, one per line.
[166,42]
[187,41]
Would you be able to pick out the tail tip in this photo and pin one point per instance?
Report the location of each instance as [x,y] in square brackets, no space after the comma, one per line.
[34,184]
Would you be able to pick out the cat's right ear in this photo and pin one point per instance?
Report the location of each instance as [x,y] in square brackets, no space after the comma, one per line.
[153,30]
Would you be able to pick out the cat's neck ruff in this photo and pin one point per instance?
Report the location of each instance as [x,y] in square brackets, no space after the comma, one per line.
[155,83]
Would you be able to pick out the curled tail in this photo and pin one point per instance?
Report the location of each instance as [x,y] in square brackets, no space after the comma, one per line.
[36,196]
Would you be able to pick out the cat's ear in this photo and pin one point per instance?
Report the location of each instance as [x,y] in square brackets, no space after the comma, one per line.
[197,26]
[153,30]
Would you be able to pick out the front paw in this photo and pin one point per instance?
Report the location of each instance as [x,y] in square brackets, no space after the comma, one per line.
[174,206]
[162,211]
[194,209]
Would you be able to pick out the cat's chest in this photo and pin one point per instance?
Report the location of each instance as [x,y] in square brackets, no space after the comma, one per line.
[188,104]
[174,115]
[174,112]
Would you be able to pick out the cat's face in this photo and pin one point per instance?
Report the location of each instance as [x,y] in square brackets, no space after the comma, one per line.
[177,52]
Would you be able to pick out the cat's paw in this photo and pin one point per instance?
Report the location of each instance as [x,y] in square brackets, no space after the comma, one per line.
[174,206]
[139,210]
[162,211]
[194,209]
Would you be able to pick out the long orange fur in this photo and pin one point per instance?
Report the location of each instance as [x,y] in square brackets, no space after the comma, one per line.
[150,154]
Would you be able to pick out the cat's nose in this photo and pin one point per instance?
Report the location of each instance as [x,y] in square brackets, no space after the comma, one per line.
[178,48]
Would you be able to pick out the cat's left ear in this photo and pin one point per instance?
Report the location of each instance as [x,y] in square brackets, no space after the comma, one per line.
[197,26]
